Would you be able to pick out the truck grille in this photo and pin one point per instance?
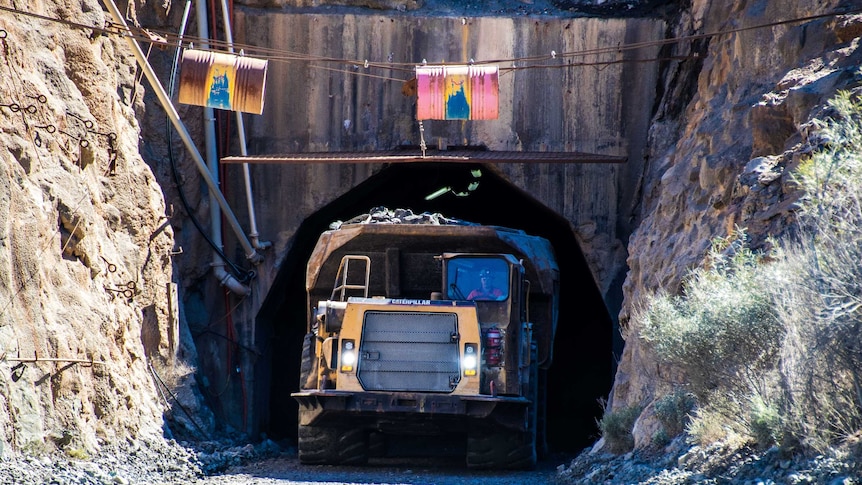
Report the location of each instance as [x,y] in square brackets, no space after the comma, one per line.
[409,351]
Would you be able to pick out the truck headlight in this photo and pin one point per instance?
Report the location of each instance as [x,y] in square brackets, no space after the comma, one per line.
[348,355]
[470,361]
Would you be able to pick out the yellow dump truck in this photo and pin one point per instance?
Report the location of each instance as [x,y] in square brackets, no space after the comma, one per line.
[427,330]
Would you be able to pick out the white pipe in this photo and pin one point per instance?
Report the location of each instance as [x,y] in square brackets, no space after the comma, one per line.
[251,254]
[247,363]
[240,128]
[210,137]
[223,277]
[227,280]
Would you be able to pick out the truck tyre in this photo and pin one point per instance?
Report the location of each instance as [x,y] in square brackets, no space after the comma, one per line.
[332,446]
[306,366]
[542,415]
[489,448]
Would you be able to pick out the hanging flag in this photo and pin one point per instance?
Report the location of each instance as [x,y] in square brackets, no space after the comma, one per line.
[457,92]
[223,81]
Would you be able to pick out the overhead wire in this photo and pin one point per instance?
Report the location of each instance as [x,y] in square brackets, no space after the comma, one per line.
[170,39]
[600,63]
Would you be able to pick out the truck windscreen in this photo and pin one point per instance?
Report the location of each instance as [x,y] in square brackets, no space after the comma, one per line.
[479,279]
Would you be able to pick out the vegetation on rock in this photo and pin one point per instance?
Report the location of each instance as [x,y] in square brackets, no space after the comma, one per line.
[768,341]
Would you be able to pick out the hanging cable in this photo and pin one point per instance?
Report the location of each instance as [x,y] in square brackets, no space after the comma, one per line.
[280,55]
[177,401]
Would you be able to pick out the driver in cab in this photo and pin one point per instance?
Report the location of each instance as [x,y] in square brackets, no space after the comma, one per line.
[486,289]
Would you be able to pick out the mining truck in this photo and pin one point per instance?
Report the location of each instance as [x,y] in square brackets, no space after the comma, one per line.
[399,343]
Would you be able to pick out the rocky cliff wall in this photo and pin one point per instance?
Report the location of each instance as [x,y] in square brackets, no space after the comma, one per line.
[723,159]
[85,243]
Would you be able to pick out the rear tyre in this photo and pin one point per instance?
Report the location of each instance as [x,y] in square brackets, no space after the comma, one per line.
[489,448]
[332,446]
[306,366]
[542,415]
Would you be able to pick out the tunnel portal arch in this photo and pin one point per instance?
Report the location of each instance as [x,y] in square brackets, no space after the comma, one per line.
[582,372]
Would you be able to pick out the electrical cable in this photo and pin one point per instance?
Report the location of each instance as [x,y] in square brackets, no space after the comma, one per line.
[600,63]
[587,52]
[280,55]
[177,401]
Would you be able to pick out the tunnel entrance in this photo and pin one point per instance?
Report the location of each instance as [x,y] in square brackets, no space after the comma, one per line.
[582,371]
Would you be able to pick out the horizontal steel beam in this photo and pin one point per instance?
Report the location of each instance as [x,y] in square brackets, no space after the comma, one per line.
[437,156]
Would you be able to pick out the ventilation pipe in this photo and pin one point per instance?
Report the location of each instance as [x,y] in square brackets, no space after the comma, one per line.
[247,361]
[218,266]
[240,128]
[223,277]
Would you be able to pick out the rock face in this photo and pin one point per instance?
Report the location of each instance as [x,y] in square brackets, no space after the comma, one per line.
[85,245]
[723,159]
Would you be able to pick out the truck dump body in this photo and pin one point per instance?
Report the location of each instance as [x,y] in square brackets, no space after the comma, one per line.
[428,330]
[407,252]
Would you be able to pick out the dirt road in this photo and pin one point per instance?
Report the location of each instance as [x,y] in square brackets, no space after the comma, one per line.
[286,470]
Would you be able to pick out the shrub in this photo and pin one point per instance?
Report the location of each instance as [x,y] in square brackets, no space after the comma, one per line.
[722,331]
[717,421]
[822,306]
[740,419]
[661,438]
[616,427]
[773,352]
[674,410]
[765,422]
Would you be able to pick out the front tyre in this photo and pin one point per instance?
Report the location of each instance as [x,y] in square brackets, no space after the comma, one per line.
[490,448]
[332,446]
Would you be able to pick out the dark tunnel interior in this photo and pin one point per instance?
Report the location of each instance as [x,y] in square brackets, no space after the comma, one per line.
[582,371]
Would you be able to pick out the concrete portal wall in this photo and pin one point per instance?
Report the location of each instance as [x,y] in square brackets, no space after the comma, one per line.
[331,106]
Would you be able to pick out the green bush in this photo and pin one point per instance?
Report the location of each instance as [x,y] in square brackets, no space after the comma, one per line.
[616,427]
[765,422]
[722,331]
[674,410]
[719,420]
[661,438]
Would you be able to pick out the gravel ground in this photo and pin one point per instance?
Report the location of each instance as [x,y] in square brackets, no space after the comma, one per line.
[144,461]
[429,471]
[228,463]
[720,463]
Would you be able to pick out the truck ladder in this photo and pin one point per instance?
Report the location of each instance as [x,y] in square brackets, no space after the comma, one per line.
[341,284]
